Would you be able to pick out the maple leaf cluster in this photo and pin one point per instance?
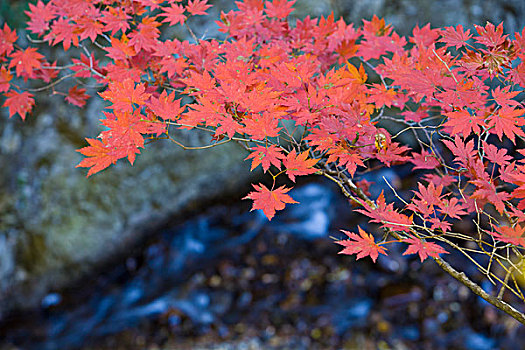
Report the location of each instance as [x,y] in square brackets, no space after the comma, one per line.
[308,98]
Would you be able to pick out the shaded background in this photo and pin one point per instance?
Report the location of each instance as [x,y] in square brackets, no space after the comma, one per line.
[97,238]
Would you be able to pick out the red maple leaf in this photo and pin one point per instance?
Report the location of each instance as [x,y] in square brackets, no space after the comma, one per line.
[357,75]
[198,112]
[386,215]
[520,40]
[299,164]
[517,178]
[346,50]
[173,66]
[279,8]
[507,121]
[490,35]
[152,4]
[455,36]
[496,155]
[124,94]
[425,199]
[174,14]
[266,156]
[424,160]
[197,7]
[437,180]
[363,245]
[464,152]
[5,78]
[99,156]
[145,37]
[247,5]
[77,96]
[26,61]
[376,45]
[504,97]
[350,160]
[261,126]
[39,17]
[89,28]
[19,102]
[513,235]
[269,200]
[425,36]
[517,74]
[431,195]
[47,72]
[381,96]
[464,123]
[423,249]
[63,31]
[376,27]
[439,224]
[165,106]
[226,125]
[416,116]
[452,208]
[486,191]
[120,50]
[391,152]
[125,132]
[7,39]
[115,20]
[202,82]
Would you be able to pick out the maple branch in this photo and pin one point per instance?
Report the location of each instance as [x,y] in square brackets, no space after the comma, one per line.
[369,65]
[342,180]
[343,189]
[191,32]
[238,139]
[53,83]
[502,289]
[198,147]
[34,41]
[446,65]
[92,70]
[461,277]
[485,271]
[58,67]
[100,46]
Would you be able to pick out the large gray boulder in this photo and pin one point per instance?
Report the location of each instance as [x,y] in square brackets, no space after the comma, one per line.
[56,225]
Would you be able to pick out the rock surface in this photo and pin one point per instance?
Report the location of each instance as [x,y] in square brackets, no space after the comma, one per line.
[405,14]
[56,225]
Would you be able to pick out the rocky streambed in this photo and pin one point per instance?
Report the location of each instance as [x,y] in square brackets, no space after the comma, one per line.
[226,278]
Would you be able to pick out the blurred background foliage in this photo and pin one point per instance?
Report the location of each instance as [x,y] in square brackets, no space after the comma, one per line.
[12,12]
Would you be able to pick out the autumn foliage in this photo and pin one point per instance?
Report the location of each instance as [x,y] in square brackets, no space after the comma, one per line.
[309,96]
